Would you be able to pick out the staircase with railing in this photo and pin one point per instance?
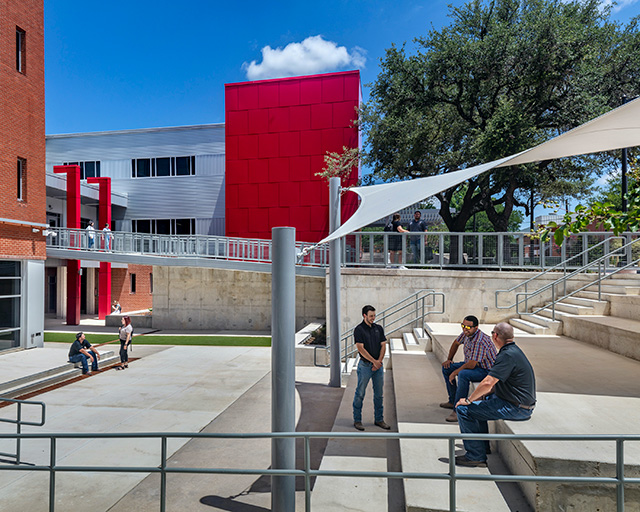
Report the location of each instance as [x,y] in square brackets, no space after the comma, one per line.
[410,312]
[540,300]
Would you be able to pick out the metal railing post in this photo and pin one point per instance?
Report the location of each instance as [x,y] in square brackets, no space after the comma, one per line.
[163,474]
[52,474]
[452,475]
[620,475]
[307,476]
[18,431]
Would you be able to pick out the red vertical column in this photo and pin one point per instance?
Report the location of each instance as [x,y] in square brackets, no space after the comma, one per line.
[104,218]
[73,222]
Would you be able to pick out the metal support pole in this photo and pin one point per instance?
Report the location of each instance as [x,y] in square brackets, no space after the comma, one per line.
[334,283]
[623,184]
[283,418]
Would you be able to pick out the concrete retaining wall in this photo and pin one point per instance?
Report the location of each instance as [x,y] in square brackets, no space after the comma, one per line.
[204,298]
[467,292]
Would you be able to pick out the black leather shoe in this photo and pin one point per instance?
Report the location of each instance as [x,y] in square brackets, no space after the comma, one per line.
[461,460]
[358,425]
[383,425]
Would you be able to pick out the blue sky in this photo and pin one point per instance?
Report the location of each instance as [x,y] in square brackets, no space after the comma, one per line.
[140,63]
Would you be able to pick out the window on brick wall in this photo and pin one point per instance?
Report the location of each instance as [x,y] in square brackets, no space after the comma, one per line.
[20,50]
[132,283]
[150,282]
[21,175]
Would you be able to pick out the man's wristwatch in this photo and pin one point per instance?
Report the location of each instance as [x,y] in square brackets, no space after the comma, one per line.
[468,401]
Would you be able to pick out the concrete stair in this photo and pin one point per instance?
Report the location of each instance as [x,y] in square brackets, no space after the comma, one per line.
[39,380]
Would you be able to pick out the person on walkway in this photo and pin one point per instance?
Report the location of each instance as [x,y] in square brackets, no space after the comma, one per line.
[106,234]
[80,351]
[91,233]
[513,383]
[479,355]
[396,240]
[371,344]
[125,333]
[417,226]
[116,307]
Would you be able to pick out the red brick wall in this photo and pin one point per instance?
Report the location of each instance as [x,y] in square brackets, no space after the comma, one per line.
[121,287]
[22,128]
[277,133]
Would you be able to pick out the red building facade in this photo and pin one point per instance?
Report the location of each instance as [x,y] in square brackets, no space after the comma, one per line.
[277,133]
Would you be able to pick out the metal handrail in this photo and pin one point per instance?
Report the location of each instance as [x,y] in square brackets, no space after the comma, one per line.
[412,307]
[600,263]
[563,265]
[19,422]
[620,480]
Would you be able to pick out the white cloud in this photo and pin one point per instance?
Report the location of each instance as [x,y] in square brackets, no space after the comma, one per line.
[313,55]
[618,5]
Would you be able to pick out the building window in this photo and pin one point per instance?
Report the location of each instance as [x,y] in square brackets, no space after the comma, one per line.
[20,50]
[10,290]
[90,169]
[164,226]
[132,283]
[21,175]
[163,167]
[150,282]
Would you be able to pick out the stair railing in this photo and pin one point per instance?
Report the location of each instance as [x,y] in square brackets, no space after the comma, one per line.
[604,271]
[19,422]
[411,310]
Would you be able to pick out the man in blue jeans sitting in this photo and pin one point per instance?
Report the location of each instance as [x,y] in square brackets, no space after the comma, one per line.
[479,355]
[371,344]
[80,351]
[513,383]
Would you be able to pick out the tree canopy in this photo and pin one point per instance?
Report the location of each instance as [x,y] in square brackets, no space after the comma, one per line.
[504,76]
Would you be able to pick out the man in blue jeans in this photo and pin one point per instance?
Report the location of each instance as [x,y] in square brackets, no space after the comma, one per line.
[513,383]
[479,355]
[80,351]
[371,344]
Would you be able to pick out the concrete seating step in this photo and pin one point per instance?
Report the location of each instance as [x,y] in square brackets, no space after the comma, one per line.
[50,377]
[410,341]
[361,494]
[423,338]
[396,345]
[615,334]
[619,289]
[587,402]
[574,309]
[419,388]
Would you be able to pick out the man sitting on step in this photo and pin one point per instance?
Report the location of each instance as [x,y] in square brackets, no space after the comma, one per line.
[80,351]
[512,385]
[479,355]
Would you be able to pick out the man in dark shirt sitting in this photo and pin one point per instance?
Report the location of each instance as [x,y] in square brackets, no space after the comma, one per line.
[80,351]
[513,383]
[371,344]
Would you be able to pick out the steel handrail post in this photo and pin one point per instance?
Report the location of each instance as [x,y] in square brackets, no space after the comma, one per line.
[307,476]
[620,475]
[52,474]
[18,431]
[553,302]
[163,474]
[452,474]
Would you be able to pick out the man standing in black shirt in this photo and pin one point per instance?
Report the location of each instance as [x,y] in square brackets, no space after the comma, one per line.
[513,383]
[371,344]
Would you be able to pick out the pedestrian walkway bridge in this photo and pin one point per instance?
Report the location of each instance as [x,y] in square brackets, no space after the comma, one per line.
[178,250]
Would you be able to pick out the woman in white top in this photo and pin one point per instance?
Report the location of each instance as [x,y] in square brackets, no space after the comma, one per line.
[126,330]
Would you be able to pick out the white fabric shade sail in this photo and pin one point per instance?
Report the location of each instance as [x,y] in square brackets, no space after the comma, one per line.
[619,128]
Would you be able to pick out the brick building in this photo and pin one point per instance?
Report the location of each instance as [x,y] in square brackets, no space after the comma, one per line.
[22,173]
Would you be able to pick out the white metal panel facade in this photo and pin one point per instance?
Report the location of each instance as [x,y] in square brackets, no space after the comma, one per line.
[199,196]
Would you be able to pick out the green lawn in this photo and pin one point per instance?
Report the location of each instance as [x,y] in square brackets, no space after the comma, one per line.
[214,341]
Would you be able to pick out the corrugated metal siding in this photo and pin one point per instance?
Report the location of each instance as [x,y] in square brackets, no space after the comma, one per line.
[157,142]
[173,197]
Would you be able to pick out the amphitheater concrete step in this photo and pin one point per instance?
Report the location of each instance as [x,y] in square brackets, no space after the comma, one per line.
[529,326]
[419,388]
[576,395]
[618,335]
[358,493]
[599,307]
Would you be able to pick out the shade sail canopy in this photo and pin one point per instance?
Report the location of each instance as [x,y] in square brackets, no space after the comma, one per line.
[619,128]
